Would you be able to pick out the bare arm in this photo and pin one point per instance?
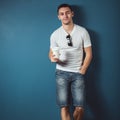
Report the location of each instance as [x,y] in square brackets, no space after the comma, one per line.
[87,60]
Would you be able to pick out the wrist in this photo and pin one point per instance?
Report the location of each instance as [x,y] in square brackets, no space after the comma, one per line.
[84,67]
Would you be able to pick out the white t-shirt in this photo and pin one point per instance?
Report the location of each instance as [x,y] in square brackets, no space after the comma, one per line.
[74,54]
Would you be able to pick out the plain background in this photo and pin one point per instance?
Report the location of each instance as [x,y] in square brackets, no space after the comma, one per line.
[27,82]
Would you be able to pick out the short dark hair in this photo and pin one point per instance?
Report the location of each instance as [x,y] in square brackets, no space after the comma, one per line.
[64,5]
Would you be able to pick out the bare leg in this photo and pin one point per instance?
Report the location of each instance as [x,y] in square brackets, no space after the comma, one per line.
[78,113]
[65,114]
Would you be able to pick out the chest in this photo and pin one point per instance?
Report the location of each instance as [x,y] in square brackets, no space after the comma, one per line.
[76,41]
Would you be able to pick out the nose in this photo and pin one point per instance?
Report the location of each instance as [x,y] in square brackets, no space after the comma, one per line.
[65,15]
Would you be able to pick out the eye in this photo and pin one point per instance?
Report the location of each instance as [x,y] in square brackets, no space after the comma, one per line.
[68,12]
[61,14]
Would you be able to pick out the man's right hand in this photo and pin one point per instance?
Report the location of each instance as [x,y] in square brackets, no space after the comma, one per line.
[53,59]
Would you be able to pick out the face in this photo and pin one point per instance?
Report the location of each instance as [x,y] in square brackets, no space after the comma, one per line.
[65,15]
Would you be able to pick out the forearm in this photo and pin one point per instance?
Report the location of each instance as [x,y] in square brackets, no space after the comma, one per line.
[87,60]
[50,54]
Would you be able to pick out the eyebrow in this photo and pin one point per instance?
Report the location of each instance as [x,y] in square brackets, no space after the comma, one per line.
[65,12]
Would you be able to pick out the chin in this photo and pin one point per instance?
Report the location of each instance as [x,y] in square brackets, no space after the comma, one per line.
[66,23]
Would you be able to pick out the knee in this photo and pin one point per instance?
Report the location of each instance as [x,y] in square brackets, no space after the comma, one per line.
[79,110]
[65,109]
[78,113]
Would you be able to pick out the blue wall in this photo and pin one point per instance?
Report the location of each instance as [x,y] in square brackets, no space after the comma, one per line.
[27,84]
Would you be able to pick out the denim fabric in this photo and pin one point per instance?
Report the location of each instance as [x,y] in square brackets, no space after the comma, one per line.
[69,86]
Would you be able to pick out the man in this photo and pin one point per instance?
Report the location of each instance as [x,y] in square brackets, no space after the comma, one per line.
[74,40]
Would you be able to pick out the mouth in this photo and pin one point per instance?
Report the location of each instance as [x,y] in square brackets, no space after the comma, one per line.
[65,19]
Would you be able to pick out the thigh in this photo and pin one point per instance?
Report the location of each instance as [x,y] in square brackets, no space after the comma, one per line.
[62,88]
[77,89]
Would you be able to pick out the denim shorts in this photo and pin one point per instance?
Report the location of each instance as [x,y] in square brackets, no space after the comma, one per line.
[69,88]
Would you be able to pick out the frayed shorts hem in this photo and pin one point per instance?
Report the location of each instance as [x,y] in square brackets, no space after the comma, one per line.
[61,106]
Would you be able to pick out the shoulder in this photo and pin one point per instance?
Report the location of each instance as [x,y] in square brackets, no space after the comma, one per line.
[56,32]
[80,28]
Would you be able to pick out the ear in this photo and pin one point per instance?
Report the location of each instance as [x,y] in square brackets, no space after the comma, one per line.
[72,14]
[58,17]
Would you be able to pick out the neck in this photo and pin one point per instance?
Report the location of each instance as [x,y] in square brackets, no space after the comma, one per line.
[68,28]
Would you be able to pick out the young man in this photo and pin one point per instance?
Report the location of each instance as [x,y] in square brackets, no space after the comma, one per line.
[74,40]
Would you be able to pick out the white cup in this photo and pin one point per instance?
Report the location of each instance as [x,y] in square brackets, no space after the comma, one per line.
[55,51]
[63,55]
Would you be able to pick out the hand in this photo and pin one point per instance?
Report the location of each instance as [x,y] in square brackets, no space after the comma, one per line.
[83,70]
[53,59]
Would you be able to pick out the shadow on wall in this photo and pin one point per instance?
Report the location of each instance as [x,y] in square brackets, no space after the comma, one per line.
[95,101]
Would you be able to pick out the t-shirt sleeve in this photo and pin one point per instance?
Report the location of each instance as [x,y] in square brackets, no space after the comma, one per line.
[86,39]
[53,41]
